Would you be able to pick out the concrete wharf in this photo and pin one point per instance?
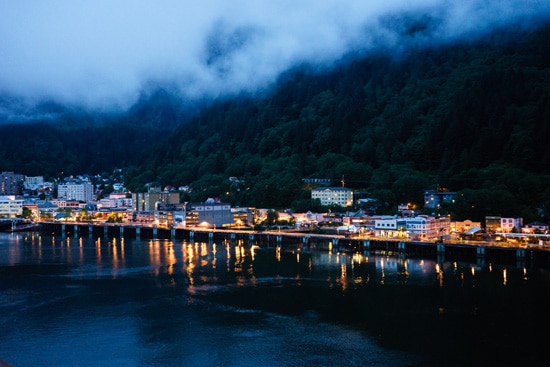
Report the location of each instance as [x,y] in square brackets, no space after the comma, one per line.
[478,252]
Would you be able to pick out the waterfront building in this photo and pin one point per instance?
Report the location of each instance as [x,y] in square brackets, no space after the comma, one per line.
[340,196]
[458,227]
[497,224]
[46,207]
[242,216]
[211,212]
[534,227]
[10,206]
[385,226]
[418,228]
[143,217]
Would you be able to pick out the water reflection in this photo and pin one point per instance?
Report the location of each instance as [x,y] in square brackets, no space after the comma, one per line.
[190,301]
[198,261]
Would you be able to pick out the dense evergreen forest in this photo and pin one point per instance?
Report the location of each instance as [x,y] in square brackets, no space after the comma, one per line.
[470,117]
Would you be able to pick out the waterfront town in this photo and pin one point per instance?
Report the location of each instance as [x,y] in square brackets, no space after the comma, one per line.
[26,199]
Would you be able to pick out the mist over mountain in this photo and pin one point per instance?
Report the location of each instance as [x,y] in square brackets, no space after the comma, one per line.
[103,57]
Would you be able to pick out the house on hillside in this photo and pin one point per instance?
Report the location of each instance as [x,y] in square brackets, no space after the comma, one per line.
[433,199]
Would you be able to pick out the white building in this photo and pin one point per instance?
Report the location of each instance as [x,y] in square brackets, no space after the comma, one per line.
[508,224]
[420,227]
[10,206]
[33,183]
[115,202]
[340,196]
[80,192]
[386,226]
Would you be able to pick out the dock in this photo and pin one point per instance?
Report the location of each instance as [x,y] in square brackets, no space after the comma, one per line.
[479,252]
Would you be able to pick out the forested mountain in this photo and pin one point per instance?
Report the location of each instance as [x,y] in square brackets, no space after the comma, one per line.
[472,117]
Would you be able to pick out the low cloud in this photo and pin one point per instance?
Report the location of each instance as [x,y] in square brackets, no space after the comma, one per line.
[101,54]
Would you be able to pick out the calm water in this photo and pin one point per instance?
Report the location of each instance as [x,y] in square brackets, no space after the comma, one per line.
[85,302]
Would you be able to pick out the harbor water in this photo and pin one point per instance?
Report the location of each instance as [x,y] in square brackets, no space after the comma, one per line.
[100,302]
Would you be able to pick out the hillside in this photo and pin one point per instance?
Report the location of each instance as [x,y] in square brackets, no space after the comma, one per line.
[471,117]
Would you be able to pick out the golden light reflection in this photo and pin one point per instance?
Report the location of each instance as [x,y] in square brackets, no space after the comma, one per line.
[439,271]
[253,251]
[69,252]
[504,277]
[98,250]
[170,257]
[343,276]
[122,255]
[81,253]
[228,261]
[239,258]
[278,254]
[525,274]
[188,253]
[473,270]
[204,254]
[115,260]
[190,266]
[214,259]
[154,256]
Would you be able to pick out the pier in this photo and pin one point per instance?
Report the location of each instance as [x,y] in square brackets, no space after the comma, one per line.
[480,253]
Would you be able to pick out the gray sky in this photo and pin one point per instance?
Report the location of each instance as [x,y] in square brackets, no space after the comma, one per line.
[102,53]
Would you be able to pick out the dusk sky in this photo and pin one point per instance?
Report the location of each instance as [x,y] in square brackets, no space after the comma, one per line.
[100,54]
